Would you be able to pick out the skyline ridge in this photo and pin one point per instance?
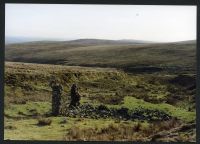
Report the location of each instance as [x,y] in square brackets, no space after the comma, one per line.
[13,40]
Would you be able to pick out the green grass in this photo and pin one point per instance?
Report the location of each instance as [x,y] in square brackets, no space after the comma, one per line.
[28,109]
[133,103]
[27,129]
[28,96]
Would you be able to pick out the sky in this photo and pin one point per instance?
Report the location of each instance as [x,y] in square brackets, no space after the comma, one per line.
[67,21]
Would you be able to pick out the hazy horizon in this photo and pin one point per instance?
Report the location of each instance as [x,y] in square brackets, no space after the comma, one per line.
[13,40]
[113,22]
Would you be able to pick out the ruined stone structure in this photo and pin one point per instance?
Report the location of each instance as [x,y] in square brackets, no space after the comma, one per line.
[75,96]
[56,97]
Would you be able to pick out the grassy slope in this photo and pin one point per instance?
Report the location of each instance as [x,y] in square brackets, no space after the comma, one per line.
[97,85]
[114,55]
[29,82]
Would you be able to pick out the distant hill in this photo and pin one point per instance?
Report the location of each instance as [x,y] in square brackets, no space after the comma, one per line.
[17,40]
[105,42]
[12,40]
[105,53]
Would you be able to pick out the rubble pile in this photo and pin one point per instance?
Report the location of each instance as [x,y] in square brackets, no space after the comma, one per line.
[102,111]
